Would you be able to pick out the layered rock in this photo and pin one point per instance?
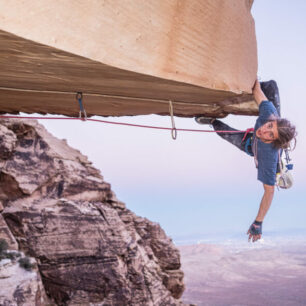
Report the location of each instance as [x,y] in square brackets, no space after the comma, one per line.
[88,246]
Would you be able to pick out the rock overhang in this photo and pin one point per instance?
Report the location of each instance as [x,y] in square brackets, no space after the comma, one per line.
[201,55]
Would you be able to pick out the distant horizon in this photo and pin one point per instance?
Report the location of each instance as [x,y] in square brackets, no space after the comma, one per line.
[294,236]
[263,273]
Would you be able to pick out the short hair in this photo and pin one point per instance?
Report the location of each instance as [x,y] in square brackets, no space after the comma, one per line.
[286,133]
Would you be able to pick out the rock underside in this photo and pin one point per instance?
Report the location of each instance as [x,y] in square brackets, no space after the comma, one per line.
[128,57]
[87,246]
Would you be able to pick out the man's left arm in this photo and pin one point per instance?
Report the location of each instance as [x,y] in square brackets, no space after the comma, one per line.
[255,230]
[258,94]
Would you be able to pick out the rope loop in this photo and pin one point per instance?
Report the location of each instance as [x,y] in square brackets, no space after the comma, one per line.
[173,130]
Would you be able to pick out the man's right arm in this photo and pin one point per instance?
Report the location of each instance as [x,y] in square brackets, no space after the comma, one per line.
[258,94]
[263,209]
[265,202]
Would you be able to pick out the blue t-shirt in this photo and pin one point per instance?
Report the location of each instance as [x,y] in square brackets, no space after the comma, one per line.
[267,154]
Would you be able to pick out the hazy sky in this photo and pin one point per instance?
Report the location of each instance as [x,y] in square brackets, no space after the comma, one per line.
[199,184]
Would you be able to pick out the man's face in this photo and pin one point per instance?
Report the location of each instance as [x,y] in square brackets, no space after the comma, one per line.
[268,132]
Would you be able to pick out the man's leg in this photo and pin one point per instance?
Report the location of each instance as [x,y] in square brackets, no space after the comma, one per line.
[233,138]
[270,89]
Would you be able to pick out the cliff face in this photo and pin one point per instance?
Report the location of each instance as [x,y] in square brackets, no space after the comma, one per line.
[89,248]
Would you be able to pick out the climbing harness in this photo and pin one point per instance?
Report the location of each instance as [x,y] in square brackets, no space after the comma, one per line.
[248,146]
[247,131]
[248,142]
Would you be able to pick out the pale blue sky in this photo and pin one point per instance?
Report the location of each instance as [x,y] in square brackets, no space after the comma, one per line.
[200,184]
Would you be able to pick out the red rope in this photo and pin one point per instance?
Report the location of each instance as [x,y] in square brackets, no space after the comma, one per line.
[118,123]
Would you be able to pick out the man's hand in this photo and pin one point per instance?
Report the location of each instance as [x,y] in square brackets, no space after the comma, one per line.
[258,94]
[255,231]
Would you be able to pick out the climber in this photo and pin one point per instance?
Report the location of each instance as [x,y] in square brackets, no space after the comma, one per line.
[270,134]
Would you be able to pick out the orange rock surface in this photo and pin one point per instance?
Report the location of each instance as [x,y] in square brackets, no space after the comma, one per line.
[128,58]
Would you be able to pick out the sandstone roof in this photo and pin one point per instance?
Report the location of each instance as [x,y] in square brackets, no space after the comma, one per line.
[128,59]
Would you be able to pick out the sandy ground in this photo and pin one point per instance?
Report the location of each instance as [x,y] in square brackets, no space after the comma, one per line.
[244,275]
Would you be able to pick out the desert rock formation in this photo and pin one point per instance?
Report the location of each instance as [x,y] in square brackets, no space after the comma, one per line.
[88,247]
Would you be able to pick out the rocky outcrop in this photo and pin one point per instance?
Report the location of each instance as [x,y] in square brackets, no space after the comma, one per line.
[88,246]
[19,286]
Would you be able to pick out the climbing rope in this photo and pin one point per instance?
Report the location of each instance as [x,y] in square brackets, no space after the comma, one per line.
[116,123]
[83,115]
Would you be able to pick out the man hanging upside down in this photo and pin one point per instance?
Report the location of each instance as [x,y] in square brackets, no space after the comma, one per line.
[271,134]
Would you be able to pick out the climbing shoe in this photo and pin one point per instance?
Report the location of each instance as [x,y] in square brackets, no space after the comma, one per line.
[270,89]
[204,120]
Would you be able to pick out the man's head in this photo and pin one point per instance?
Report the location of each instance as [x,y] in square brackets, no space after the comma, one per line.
[268,132]
[278,131]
